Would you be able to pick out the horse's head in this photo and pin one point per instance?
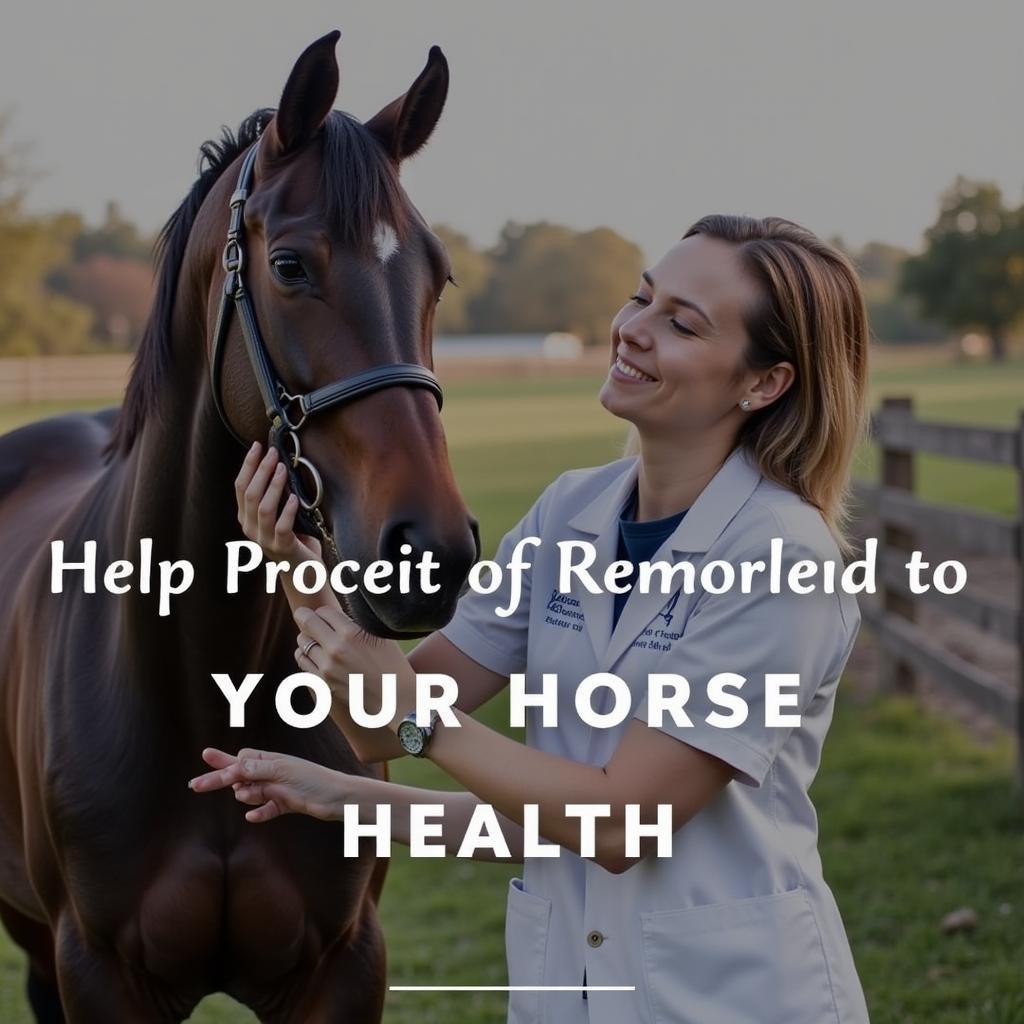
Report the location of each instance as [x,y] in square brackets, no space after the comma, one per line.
[342,275]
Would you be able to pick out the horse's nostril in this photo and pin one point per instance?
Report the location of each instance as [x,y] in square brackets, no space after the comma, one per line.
[395,536]
[431,588]
[403,539]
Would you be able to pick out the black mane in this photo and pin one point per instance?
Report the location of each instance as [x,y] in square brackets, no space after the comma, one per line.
[358,186]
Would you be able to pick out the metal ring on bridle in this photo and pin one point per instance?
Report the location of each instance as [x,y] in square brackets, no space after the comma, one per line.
[298,460]
[286,401]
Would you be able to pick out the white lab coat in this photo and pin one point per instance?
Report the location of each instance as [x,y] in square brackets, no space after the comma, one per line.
[738,926]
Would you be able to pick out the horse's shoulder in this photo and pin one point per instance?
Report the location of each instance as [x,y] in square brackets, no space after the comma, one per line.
[78,428]
[74,440]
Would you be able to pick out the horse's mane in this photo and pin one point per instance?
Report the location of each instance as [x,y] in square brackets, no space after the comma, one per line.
[358,188]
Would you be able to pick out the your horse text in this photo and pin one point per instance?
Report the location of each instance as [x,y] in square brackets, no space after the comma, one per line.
[667,694]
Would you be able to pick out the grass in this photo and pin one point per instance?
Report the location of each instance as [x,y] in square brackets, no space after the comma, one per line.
[917,820]
[916,817]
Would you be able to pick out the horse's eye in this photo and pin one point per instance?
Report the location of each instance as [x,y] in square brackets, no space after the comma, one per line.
[288,269]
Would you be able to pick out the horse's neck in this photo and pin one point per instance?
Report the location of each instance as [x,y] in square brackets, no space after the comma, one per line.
[179,478]
[178,492]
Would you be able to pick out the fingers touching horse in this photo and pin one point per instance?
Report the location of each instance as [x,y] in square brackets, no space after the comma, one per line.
[132,899]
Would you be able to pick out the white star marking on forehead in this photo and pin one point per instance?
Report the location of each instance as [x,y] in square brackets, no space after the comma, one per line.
[385,241]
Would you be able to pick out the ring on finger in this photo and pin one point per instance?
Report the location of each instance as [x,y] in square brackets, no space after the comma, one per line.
[309,646]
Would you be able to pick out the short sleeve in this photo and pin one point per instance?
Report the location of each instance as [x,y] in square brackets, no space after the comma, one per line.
[753,635]
[499,643]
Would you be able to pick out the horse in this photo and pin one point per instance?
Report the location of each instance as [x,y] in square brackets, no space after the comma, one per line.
[296,288]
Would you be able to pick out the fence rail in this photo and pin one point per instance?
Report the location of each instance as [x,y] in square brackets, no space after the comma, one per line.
[63,378]
[102,377]
[906,520]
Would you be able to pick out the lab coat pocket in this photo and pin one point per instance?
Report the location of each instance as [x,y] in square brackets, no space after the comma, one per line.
[526,942]
[751,961]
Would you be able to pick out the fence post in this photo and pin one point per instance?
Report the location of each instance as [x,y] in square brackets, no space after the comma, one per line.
[1020,602]
[897,473]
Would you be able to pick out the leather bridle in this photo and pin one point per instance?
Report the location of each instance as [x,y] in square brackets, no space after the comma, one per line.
[288,412]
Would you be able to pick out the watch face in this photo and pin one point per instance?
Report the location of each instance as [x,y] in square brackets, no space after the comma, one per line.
[411,737]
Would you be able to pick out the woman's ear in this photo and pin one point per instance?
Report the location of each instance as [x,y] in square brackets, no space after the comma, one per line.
[770,385]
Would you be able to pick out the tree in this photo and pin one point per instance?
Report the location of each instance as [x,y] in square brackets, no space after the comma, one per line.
[472,270]
[548,277]
[33,320]
[971,274]
[894,316]
[116,236]
[119,290]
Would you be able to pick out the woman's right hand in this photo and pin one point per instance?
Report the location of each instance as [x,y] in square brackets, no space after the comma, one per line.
[259,487]
[275,784]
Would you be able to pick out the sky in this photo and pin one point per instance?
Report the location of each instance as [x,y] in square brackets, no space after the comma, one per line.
[850,118]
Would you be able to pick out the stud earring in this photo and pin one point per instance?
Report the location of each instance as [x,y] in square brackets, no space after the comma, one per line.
[745,405]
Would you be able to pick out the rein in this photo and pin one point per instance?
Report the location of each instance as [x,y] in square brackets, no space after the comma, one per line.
[287,412]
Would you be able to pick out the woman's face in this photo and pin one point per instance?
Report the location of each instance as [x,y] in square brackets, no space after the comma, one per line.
[683,331]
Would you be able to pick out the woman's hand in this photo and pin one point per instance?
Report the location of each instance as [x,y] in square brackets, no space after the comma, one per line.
[275,784]
[331,646]
[259,487]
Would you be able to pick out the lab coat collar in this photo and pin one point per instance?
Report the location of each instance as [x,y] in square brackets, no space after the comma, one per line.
[715,507]
[702,525]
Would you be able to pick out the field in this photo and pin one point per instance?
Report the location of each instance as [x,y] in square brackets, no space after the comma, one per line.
[917,818]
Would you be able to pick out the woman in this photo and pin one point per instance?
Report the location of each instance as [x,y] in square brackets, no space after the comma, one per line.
[741,364]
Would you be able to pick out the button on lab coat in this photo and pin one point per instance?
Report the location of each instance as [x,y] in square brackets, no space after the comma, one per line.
[738,926]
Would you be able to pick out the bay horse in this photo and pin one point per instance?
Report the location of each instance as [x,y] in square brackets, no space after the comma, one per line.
[132,899]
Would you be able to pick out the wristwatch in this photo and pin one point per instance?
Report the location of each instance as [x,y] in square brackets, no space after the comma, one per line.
[416,738]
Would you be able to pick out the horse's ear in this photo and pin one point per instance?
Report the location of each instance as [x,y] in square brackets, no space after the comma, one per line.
[405,124]
[308,97]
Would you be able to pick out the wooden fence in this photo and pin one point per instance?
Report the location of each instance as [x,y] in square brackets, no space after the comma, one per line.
[64,378]
[103,377]
[909,523]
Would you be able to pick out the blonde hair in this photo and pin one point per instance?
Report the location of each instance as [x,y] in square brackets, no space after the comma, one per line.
[812,315]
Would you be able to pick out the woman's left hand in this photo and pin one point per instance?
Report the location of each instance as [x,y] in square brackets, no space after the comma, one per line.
[331,646]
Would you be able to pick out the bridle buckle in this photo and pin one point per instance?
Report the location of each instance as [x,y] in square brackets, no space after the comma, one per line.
[234,257]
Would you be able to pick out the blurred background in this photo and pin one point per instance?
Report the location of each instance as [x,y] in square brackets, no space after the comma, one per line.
[579,141]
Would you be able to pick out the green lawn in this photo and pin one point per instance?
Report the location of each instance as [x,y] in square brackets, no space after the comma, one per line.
[916,818]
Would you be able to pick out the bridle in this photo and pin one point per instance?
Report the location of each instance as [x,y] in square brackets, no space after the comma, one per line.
[288,412]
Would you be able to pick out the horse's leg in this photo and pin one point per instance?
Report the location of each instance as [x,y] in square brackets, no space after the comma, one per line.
[37,941]
[44,999]
[94,986]
[349,984]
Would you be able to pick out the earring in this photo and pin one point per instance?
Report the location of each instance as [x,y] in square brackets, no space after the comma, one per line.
[745,405]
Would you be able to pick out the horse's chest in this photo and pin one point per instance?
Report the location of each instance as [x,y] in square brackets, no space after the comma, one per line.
[201,912]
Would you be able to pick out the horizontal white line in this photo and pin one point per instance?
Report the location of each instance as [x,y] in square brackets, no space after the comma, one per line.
[512,988]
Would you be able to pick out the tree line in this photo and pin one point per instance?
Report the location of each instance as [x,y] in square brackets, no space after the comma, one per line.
[70,287]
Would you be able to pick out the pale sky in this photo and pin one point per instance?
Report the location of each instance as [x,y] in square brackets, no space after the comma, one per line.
[847,117]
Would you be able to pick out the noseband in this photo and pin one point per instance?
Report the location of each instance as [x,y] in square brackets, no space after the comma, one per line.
[288,412]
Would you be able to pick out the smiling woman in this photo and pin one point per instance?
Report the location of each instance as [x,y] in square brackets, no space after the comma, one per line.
[741,364]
